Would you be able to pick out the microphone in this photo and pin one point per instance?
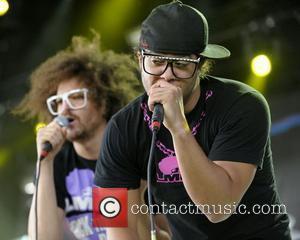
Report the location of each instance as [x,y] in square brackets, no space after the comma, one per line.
[47,146]
[157,116]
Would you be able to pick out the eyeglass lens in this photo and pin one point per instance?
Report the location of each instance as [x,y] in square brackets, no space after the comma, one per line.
[75,100]
[157,66]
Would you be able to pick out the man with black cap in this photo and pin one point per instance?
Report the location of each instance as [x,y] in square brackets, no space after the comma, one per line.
[213,173]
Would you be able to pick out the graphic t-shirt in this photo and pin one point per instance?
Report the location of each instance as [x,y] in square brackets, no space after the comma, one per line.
[230,122]
[74,177]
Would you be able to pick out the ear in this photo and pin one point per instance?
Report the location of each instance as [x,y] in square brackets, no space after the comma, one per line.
[140,59]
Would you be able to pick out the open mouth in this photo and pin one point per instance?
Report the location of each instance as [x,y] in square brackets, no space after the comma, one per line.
[70,119]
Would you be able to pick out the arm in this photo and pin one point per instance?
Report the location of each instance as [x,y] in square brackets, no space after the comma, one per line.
[48,212]
[115,168]
[224,181]
[50,217]
[138,224]
[131,232]
[162,227]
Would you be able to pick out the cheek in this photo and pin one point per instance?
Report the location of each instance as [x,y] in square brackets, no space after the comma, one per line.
[147,81]
[194,82]
[189,86]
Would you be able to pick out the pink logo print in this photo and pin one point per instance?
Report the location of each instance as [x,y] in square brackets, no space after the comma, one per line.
[169,171]
[169,165]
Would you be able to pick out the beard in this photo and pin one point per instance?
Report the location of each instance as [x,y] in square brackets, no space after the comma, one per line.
[81,132]
[76,135]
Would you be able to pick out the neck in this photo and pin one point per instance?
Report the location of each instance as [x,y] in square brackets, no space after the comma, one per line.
[90,148]
[192,100]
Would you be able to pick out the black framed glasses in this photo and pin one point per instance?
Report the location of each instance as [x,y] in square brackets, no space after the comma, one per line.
[156,65]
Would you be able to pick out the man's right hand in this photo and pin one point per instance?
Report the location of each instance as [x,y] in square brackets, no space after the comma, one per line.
[47,210]
[52,133]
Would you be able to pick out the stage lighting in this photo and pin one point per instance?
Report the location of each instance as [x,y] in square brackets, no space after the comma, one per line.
[5,154]
[39,125]
[261,65]
[29,188]
[4,6]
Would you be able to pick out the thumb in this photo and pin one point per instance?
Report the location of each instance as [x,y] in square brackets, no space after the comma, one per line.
[64,131]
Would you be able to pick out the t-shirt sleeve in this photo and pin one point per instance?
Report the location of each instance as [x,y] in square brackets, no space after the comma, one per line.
[117,164]
[59,181]
[244,131]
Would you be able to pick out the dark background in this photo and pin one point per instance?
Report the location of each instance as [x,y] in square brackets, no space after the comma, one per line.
[33,30]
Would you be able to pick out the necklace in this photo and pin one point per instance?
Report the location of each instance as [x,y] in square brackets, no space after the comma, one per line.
[161,146]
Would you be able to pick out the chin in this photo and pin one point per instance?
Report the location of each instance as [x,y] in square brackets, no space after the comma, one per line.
[70,138]
[72,135]
[77,136]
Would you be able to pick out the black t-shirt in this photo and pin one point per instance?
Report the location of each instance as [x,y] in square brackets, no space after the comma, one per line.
[231,121]
[73,177]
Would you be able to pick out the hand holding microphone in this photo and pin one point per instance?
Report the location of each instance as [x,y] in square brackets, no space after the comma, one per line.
[51,138]
[170,98]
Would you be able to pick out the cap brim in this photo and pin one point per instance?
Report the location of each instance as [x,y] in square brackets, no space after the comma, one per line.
[215,51]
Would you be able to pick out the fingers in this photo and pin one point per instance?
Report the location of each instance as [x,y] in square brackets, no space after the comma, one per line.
[164,93]
[52,133]
[169,94]
[156,93]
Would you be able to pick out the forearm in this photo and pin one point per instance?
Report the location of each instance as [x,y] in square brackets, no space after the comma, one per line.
[144,229]
[206,183]
[48,219]
[121,233]
[143,222]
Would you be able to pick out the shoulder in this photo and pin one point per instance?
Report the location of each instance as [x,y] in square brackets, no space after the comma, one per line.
[228,93]
[131,107]
[131,122]
[131,114]
[234,87]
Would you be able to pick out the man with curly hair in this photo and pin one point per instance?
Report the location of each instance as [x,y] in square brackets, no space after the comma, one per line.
[87,87]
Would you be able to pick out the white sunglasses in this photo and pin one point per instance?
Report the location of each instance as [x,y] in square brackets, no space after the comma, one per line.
[76,99]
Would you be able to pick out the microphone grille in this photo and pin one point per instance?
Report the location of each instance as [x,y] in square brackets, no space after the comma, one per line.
[62,121]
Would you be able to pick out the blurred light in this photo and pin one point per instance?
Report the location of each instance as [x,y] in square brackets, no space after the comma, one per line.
[253,26]
[111,18]
[261,65]
[39,125]
[4,156]
[29,188]
[259,83]
[270,22]
[133,36]
[24,237]
[4,6]
[2,109]
[285,124]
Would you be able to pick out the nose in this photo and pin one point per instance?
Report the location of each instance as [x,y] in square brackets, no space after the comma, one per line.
[168,73]
[63,107]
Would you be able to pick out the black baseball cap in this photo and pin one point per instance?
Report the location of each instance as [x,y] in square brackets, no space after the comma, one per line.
[180,29]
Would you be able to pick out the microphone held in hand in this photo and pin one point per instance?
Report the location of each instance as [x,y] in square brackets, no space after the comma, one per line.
[62,121]
[157,116]
[47,146]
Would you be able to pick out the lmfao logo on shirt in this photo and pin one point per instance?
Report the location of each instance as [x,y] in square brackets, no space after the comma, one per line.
[79,184]
[168,170]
